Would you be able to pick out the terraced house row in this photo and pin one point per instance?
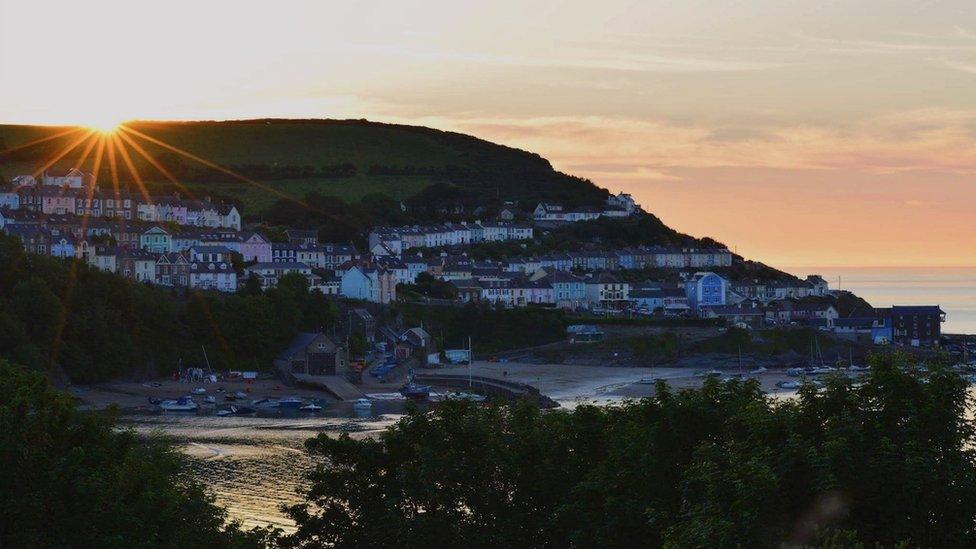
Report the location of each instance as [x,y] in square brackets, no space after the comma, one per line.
[396,240]
[61,195]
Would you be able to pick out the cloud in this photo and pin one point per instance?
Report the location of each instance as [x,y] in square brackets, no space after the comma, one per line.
[621,148]
[961,66]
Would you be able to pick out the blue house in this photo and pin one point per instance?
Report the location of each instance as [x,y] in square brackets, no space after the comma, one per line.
[62,244]
[706,289]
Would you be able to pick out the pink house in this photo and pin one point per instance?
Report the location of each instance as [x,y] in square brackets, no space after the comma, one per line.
[56,200]
[256,248]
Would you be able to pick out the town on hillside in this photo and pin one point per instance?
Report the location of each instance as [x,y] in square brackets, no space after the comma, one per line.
[199,244]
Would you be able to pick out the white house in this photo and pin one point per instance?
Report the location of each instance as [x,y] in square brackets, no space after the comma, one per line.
[73,178]
[368,283]
[213,275]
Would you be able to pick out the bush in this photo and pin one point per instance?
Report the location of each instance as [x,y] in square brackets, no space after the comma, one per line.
[887,462]
[71,479]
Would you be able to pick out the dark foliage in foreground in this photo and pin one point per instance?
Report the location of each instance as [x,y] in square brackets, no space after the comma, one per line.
[70,479]
[886,462]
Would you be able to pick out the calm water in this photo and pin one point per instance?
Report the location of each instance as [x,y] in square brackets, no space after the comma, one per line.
[954,288]
[252,465]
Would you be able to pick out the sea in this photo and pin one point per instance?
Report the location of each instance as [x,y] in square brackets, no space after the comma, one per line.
[952,288]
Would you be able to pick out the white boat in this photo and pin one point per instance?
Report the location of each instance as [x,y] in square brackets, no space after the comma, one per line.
[647,381]
[290,402]
[311,407]
[709,373]
[788,384]
[182,404]
[235,411]
[362,403]
[759,370]
[795,372]
[199,391]
[210,399]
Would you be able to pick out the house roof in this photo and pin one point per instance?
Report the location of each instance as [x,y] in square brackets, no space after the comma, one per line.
[916,309]
[299,342]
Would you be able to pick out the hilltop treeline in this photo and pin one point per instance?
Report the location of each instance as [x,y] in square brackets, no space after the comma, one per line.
[95,325]
[887,463]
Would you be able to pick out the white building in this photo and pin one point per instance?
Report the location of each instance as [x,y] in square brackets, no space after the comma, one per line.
[213,275]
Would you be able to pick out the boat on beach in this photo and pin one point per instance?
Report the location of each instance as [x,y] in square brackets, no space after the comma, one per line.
[235,411]
[311,407]
[415,392]
[290,402]
[182,404]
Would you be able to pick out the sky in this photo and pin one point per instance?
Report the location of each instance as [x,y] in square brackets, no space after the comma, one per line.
[832,132]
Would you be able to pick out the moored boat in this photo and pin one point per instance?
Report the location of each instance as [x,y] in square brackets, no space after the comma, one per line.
[290,402]
[182,404]
[311,407]
[235,411]
[415,392]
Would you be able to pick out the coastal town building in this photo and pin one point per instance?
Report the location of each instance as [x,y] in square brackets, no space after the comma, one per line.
[706,289]
[916,325]
[312,353]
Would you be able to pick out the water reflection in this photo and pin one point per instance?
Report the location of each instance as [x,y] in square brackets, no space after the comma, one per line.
[254,464]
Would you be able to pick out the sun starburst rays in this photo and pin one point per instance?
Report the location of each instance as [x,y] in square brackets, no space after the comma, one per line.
[117,141]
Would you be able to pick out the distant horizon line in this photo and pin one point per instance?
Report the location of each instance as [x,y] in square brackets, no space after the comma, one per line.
[813,266]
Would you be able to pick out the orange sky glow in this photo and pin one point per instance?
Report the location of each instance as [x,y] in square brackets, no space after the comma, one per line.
[799,133]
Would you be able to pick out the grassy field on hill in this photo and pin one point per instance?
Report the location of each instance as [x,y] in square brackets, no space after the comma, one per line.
[342,158]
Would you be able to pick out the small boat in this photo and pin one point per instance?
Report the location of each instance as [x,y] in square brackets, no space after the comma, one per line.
[415,392]
[182,404]
[362,404]
[757,371]
[199,391]
[290,402]
[709,373]
[795,372]
[210,399]
[311,407]
[788,384]
[854,368]
[235,411]
[240,394]
[647,381]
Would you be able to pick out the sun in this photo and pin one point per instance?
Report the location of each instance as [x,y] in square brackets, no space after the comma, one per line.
[103,124]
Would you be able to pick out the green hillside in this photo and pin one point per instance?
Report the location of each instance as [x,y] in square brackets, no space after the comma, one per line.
[341,158]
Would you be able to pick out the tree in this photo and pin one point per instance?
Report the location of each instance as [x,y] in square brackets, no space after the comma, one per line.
[71,478]
[358,344]
[887,462]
